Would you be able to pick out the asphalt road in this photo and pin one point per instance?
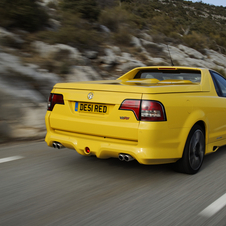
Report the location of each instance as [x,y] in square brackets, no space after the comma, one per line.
[40,185]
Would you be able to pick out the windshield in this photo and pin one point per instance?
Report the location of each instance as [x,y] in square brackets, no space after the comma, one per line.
[191,75]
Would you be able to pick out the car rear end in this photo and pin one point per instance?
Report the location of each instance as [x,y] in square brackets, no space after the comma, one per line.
[124,118]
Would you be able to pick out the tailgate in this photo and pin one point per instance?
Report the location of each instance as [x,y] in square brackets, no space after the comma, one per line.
[99,116]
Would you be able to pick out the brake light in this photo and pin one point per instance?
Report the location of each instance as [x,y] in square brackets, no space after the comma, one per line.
[145,110]
[167,68]
[131,105]
[54,99]
[152,111]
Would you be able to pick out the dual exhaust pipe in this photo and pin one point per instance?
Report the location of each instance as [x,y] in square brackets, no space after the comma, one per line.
[122,157]
[57,145]
[125,157]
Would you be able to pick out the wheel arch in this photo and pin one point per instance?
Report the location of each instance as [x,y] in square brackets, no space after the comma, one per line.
[197,117]
[203,125]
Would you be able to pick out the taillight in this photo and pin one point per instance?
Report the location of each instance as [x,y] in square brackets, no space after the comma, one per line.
[145,110]
[54,99]
[131,105]
[152,111]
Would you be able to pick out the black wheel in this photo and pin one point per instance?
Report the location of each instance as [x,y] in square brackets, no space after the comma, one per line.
[194,151]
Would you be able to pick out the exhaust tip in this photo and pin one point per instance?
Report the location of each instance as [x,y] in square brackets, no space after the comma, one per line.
[128,158]
[121,157]
[59,145]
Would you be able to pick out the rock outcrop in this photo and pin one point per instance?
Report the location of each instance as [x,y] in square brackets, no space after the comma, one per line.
[51,51]
[23,95]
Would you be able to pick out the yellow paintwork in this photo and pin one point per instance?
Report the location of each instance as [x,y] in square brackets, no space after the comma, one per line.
[107,135]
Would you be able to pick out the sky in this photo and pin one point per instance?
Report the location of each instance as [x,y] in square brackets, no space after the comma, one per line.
[213,2]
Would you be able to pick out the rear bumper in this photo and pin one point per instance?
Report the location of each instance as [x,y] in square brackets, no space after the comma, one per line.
[156,144]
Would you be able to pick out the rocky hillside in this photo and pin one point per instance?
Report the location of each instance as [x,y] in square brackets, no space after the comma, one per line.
[70,45]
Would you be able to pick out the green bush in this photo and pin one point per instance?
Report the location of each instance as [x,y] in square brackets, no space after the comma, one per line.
[24,14]
[80,38]
[162,24]
[107,4]
[114,18]
[74,31]
[120,22]
[88,9]
[122,37]
[196,40]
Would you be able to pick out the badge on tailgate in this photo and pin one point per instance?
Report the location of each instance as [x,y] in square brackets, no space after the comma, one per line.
[91,108]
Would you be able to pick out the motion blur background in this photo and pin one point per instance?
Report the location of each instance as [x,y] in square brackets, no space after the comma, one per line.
[43,42]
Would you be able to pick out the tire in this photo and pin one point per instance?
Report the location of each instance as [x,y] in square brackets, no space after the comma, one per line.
[194,152]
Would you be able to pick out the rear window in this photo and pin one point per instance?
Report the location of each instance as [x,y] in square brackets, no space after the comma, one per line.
[191,75]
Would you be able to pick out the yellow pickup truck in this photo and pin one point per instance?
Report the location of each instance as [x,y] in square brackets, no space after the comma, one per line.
[154,115]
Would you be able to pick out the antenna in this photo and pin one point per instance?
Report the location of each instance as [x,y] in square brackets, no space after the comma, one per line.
[170,56]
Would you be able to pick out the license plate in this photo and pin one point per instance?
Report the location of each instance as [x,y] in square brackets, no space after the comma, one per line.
[91,108]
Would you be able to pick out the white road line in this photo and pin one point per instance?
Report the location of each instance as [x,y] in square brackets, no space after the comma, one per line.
[213,208]
[8,159]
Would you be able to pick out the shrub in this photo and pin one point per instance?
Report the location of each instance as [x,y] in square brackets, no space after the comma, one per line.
[162,24]
[120,22]
[65,68]
[114,18]
[218,41]
[71,36]
[59,67]
[88,9]
[10,42]
[52,5]
[109,3]
[220,71]
[196,40]
[24,14]
[122,37]
[74,31]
